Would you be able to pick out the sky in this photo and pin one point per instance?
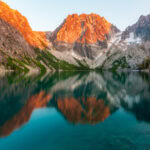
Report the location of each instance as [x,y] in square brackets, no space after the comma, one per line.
[46,15]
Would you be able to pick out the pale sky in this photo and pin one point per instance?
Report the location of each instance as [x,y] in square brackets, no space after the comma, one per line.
[46,15]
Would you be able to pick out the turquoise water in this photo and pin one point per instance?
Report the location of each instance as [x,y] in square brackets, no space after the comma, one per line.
[75,111]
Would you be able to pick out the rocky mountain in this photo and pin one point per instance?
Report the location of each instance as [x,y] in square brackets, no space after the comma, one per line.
[95,42]
[83,36]
[132,51]
[21,47]
[20,23]
[81,42]
[141,29]
[17,39]
[12,42]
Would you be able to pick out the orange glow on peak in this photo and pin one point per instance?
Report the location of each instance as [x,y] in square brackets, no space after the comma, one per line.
[84,29]
[14,18]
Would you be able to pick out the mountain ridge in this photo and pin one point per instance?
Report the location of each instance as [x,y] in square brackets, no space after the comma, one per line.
[140,29]
[78,28]
[14,18]
[85,41]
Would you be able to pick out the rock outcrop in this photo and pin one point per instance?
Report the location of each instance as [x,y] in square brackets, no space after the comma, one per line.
[12,41]
[20,23]
[133,49]
[85,35]
[141,29]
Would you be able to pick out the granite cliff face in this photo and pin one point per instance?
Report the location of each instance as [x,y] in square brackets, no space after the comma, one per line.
[18,41]
[85,29]
[12,42]
[20,23]
[132,51]
[84,35]
[141,29]
[95,42]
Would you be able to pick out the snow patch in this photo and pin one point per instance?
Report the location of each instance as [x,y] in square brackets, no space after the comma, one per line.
[133,40]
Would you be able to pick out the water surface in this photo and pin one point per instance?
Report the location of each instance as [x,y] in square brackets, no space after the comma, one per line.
[75,111]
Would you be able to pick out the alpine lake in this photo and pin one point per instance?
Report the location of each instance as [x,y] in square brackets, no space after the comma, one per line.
[75,111]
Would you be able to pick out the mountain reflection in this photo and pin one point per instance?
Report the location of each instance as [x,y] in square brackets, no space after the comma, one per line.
[85,98]
[37,101]
[87,110]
